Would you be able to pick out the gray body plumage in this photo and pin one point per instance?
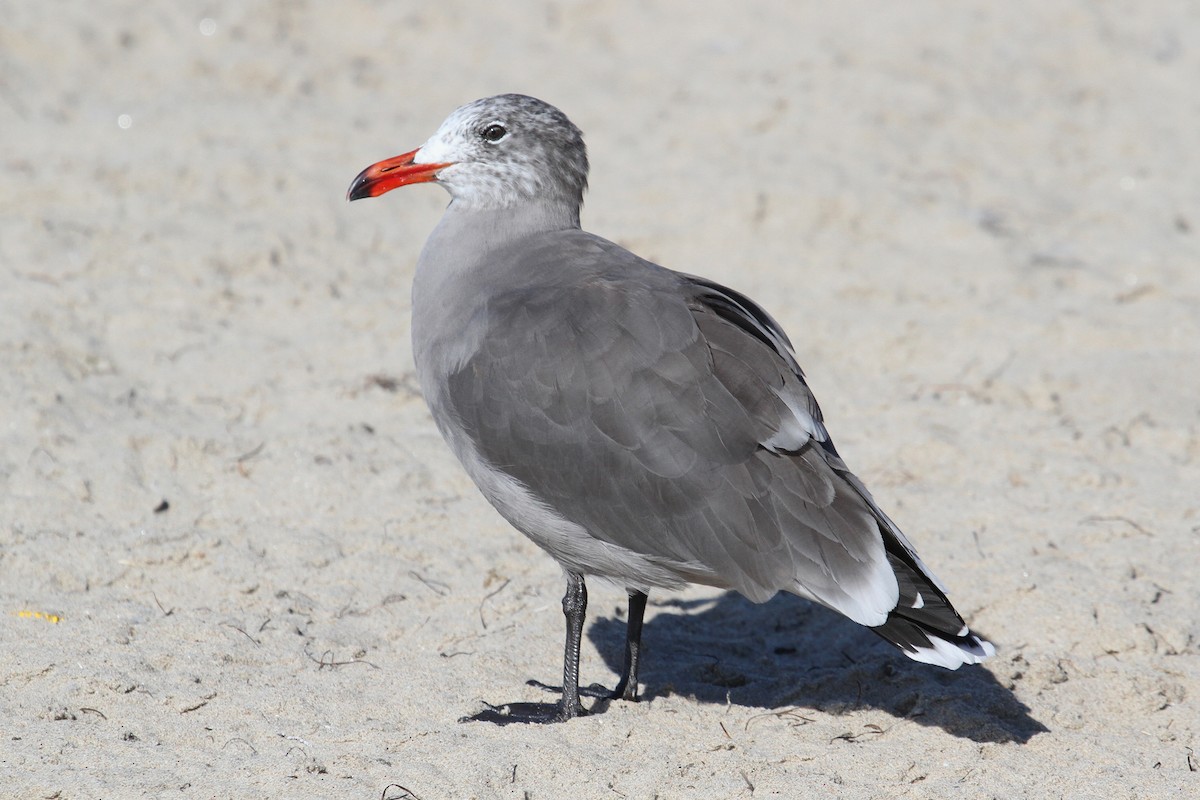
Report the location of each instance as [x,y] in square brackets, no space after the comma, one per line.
[637,423]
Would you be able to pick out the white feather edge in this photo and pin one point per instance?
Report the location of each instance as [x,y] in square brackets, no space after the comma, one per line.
[946,654]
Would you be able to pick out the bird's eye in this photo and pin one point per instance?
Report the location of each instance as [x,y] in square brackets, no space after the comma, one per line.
[493,133]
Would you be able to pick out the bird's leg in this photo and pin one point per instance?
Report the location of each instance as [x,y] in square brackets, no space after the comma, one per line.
[627,688]
[574,605]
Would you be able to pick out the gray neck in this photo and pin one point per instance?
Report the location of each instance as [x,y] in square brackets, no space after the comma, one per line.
[451,280]
[465,238]
[486,228]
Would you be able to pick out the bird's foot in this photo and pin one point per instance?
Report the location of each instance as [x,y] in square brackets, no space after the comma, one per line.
[623,691]
[527,713]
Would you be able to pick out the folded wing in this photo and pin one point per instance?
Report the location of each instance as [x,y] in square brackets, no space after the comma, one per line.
[667,415]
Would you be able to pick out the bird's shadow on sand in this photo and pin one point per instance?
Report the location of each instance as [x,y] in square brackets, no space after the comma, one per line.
[792,655]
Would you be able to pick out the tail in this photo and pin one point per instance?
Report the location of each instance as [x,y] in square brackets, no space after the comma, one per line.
[924,624]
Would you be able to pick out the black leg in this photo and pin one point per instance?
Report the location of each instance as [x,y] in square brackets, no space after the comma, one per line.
[627,689]
[574,605]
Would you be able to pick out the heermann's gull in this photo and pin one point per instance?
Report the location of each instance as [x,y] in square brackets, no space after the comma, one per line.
[638,424]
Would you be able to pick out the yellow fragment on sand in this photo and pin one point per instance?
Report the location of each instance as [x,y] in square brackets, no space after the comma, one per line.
[26,614]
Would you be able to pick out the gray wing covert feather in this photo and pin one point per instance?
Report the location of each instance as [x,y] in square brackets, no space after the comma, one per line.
[639,413]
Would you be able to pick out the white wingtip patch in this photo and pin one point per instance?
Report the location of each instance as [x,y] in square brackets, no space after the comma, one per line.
[919,602]
[952,656]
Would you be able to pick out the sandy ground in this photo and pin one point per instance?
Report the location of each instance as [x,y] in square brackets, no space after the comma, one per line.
[237,561]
